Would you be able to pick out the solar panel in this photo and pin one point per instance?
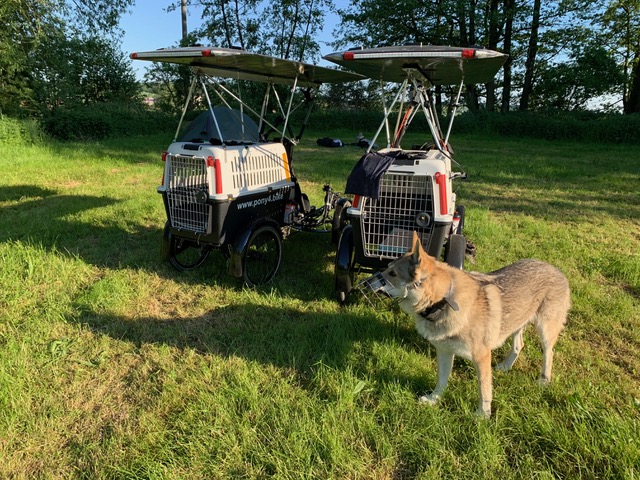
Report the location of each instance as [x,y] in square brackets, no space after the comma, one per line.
[243,65]
[440,65]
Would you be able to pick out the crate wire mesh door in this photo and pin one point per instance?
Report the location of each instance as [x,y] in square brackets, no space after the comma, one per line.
[404,205]
[187,177]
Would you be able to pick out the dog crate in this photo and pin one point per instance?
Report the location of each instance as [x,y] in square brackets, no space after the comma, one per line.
[405,204]
[213,191]
[412,196]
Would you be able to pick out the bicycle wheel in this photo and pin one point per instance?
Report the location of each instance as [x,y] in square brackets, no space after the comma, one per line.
[261,257]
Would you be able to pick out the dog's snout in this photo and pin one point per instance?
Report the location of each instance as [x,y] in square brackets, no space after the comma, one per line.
[374,289]
[375,281]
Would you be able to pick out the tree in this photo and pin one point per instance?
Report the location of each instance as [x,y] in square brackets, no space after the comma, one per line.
[344,96]
[539,37]
[632,99]
[93,17]
[29,26]
[290,32]
[509,15]
[228,23]
[443,22]
[183,16]
[172,81]
[495,25]
[295,25]
[80,71]
[25,23]
[543,39]
[622,23]
[409,22]
[532,51]
[590,72]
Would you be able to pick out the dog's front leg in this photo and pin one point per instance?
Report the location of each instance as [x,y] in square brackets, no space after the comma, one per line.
[485,384]
[445,364]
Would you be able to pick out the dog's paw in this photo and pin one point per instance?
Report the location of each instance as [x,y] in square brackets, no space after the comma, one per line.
[543,381]
[483,414]
[503,367]
[484,409]
[431,399]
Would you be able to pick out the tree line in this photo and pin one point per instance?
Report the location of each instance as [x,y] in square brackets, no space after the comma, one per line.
[57,53]
[563,54]
[570,55]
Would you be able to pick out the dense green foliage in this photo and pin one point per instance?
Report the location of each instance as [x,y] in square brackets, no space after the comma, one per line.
[80,71]
[550,125]
[113,365]
[20,132]
[111,119]
[58,53]
[101,120]
[554,125]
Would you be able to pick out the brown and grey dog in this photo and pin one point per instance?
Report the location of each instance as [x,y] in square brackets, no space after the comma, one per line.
[470,314]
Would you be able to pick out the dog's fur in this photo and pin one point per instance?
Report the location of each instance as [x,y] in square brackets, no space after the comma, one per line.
[470,314]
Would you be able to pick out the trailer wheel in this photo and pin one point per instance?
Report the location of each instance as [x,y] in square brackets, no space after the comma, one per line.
[340,219]
[460,211]
[261,257]
[454,250]
[343,267]
[186,255]
[181,253]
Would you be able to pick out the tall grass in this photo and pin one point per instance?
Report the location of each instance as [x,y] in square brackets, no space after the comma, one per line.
[19,131]
[113,365]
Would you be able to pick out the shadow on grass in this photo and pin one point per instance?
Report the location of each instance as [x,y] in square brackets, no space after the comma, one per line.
[16,193]
[44,216]
[32,214]
[282,337]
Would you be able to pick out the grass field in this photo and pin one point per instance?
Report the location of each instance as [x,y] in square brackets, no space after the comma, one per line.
[113,365]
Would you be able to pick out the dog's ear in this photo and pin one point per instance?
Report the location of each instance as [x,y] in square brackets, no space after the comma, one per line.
[417,252]
[420,259]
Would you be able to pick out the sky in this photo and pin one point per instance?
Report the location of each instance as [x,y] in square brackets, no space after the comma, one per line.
[149,27]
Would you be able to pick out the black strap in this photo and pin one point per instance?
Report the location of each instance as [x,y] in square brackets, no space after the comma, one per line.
[437,307]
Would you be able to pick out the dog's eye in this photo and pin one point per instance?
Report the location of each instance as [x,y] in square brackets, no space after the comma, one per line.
[392,273]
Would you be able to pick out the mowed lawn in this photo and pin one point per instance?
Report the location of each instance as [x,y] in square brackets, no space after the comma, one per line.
[114,365]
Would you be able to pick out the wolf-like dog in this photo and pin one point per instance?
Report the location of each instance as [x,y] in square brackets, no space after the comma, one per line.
[470,314]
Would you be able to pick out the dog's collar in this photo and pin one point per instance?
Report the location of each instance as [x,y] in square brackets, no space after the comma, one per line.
[434,308]
[438,307]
